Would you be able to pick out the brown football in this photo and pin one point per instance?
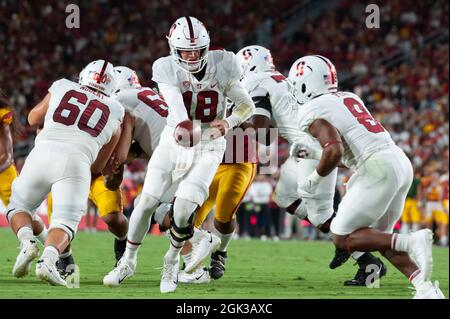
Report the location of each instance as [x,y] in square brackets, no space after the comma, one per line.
[187,133]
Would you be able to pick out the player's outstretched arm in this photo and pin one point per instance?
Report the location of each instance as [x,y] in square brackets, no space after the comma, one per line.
[244,106]
[37,114]
[105,153]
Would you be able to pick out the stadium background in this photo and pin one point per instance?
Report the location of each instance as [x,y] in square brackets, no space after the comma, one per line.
[400,69]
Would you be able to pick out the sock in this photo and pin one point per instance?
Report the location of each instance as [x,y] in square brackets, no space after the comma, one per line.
[415,227]
[400,242]
[443,241]
[131,251]
[65,255]
[356,255]
[416,279]
[174,249]
[25,234]
[42,236]
[51,253]
[119,248]
[225,240]
[187,258]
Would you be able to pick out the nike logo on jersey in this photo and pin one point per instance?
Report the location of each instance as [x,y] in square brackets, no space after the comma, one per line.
[213,85]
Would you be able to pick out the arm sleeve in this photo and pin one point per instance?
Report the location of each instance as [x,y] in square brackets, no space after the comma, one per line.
[171,93]
[244,106]
[174,100]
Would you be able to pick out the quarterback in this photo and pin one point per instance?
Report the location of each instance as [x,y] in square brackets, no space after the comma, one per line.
[195,83]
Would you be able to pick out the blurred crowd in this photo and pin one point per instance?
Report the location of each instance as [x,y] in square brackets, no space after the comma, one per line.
[400,69]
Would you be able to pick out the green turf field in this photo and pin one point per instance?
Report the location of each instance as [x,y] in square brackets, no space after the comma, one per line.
[286,269]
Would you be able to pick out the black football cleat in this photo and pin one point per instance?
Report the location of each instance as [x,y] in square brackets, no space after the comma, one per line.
[361,275]
[340,257]
[217,267]
[66,266]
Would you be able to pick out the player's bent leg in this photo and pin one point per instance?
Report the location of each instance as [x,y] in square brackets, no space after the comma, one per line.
[118,226]
[139,225]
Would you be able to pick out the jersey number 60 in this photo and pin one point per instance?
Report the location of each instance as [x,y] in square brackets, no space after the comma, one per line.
[69,117]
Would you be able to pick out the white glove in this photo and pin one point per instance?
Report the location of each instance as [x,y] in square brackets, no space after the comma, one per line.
[300,150]
[307,189]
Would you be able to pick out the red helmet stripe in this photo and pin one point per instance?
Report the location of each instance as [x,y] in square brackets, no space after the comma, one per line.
[329,67]
[102,72]
[191,29]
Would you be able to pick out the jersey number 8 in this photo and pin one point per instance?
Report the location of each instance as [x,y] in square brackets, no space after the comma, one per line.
[363,117]
[206,110]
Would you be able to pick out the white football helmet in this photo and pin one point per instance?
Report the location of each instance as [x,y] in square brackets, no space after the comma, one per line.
[98,75]
[311,76]
[255,58]
[189,34]
[125,78]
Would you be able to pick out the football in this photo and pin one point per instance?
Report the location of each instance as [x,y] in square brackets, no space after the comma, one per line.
[188,133]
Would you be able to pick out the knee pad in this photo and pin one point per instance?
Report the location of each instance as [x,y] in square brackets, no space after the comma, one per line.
[182,227]
[181,234]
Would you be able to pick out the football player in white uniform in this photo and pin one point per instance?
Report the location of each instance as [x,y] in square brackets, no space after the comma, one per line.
[276,106]
[81,126]
[376,192]
[195,83]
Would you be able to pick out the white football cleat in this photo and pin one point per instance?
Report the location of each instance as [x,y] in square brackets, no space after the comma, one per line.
[208,244]
[199,276]
[123,270]
[421,251]
[169,278]
[429,291]
[28,252]
[46,271]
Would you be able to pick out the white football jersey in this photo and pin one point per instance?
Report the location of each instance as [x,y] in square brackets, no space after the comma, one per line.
[204,100]
[80,116]
[149,111]
[282,109]
[362,135]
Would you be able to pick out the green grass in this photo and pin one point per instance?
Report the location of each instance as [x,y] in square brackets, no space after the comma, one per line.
[287,269]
